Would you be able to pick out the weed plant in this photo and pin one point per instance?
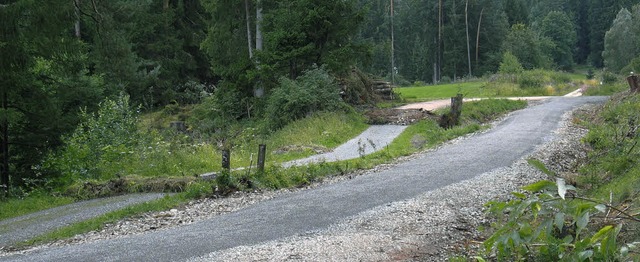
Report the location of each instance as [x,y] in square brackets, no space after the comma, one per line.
[596,218]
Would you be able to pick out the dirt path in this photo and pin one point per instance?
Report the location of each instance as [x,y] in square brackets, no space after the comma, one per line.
[18,229]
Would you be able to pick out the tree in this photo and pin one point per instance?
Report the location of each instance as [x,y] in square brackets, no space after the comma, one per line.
[558,27]
[523,43]
[517,11]
[620,48]
[601,13]
[510,64]
[44,82]
[322,34]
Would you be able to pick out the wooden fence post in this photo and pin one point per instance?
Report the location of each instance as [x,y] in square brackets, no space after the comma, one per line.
[226,159]
[262,150]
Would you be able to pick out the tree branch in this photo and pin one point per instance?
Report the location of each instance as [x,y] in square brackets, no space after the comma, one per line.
[622,212]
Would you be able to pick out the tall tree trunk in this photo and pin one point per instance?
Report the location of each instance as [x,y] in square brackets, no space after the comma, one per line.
[393,60]
[466,26]
[478,37]
[249,37]
[76,27]
[165,5]
[4,146]
[259,25]
[439,68]
[259,89]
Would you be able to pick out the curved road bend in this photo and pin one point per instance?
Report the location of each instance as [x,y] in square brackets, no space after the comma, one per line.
[316,209]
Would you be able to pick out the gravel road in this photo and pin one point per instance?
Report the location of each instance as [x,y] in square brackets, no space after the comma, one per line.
[374,139]
[26,227]
[307,212]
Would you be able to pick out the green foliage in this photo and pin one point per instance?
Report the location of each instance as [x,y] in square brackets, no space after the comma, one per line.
[633,66]
[551,223]
[312,92]
[218,116]
[320,36]
[559,28]
[99,140]
[619,47]
[590,74]
[510,64]
[610,78]
[527,46]
[614,141]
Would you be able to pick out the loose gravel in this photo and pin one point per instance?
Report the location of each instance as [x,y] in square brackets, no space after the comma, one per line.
[432,226]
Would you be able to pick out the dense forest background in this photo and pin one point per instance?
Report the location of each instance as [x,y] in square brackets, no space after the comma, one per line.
[59,59]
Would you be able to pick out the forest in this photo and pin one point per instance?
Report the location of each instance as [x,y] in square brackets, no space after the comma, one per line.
[72,66]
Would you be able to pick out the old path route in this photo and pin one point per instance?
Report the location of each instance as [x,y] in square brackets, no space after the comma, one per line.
[310,210]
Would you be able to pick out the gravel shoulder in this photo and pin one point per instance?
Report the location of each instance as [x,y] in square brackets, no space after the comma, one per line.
[433,226]
[428,226]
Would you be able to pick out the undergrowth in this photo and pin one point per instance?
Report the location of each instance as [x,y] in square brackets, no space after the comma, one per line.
[597,218]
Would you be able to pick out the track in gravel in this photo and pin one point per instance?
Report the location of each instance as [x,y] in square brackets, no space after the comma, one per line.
[15,230]
[316,209]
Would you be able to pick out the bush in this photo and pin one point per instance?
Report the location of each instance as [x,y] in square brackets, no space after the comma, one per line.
[534,79]
[510,64]
[218,116]
[552,223]
[609,78]
[633,66]
[99,140]
[314,91]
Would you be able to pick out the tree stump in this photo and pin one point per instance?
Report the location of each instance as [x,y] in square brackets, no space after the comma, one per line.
[633,83]
[452,118]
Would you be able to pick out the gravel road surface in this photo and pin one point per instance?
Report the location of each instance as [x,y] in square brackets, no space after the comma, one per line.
[25,227]
[305,212]
[374,139]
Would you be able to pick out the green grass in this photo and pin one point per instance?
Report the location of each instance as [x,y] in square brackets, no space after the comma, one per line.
[544,83]
[15,207]
[184,158]
[425,93]
[98,223]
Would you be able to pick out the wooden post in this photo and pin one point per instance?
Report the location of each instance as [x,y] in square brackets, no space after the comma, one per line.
[456,108]
[452,118]
[633,83]
[262,150]
[226,159]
